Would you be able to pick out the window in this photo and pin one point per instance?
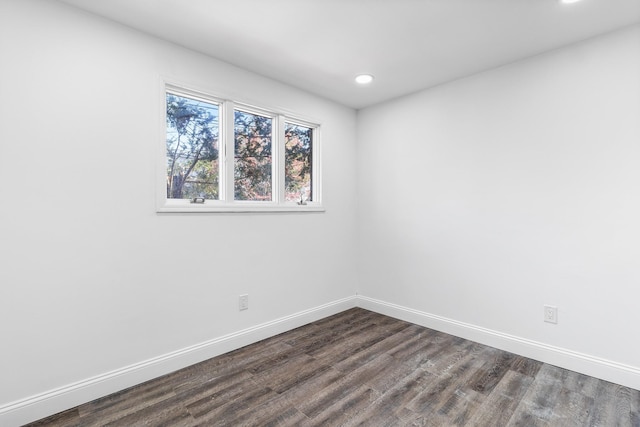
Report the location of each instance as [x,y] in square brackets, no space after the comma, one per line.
[298,164]
[252,156]
[219,155]
[192,148]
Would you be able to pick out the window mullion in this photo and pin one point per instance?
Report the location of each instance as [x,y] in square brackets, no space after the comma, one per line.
[279,160]
[316,179]
[228,133]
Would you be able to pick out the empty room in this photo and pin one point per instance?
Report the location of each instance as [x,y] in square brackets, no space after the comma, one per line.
[320,212]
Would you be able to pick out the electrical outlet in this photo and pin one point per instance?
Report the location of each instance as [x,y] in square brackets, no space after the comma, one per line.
[243,302]
[550,314]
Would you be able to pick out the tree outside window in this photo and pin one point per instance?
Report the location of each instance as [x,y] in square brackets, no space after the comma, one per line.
[192,148]
[298,162]
[252,156]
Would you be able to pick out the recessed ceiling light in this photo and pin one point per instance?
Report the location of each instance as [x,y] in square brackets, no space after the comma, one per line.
[569,1]
[364,79]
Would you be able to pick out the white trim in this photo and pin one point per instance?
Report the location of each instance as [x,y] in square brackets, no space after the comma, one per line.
[279,161]
[608,370]
[237,207]
[316,167]
[228,156]
[192,94]
[53,401]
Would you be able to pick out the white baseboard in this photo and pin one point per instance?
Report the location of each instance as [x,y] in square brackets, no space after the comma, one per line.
[590,365]
[53,401]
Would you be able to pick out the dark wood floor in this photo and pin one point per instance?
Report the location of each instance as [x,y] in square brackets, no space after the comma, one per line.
[359,368]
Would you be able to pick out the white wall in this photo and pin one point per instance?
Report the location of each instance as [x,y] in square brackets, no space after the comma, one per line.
[92,278]
[486,198]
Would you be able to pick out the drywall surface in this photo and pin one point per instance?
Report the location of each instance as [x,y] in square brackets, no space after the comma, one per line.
[92,278]
[484,199]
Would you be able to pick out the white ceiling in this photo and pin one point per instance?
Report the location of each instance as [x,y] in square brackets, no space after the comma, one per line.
[320,45]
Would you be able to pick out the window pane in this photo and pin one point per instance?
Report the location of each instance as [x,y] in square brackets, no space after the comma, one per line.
[192,148]
[252,165]
[298,142]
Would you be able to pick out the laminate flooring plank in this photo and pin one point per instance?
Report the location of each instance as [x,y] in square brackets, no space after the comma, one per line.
[360,358]
[225,414]
[536,407]
[225,387]
[580,383]
[391,373]
[525,366]
[344,317]
[456,404]
[289,418]
[337,337]
[461,406]
[612,406]
[443,361]
[295,372]
[349,345]
[129,401]
[369,329]
[499,406]
[436,394]
[280,358]
[351,348]
[390,324]
[390,406]
[492,372]
[312,388]
[277,411]
[248,353]
[572,409]
[429,420]
[635,408]
[162,416]
[345,385]
[384,419]
[346,332]
[601,407]
[172,409]
[203,400]
[528,419]
[419,351]
[224,365]
[622,405]
[346,409]
[298,332]
[68,418]
[325,330]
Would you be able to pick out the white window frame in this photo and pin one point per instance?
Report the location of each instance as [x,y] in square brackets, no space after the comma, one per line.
[226,143]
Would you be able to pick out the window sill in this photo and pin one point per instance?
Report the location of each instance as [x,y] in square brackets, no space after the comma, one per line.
[238,207]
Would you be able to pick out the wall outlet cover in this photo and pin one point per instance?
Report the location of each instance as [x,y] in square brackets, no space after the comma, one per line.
[550,314]
[243,302]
